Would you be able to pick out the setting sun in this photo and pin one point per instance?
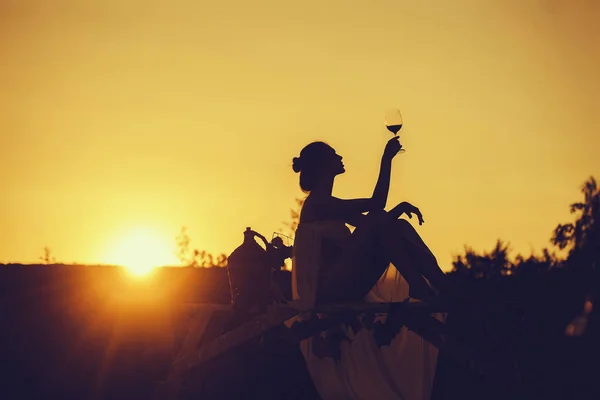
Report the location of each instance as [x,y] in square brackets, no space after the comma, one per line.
[140,251]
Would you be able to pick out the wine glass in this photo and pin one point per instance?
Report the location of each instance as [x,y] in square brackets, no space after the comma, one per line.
[393,122]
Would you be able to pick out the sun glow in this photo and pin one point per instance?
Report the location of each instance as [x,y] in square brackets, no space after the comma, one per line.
[140,251]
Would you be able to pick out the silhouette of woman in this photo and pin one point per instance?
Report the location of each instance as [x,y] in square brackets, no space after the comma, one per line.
[333,264]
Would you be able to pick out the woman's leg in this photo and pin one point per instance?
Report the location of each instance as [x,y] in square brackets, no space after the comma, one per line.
[423,258]
[376,243]
[400,255]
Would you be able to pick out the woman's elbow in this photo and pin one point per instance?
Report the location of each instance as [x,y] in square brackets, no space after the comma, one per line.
[376,205]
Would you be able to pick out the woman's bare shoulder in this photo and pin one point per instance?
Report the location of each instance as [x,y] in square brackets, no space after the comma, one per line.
[314,208]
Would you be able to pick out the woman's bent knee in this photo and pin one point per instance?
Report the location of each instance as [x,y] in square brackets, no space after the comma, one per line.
[403,222]
[399,225]
[381,222]
[404,225]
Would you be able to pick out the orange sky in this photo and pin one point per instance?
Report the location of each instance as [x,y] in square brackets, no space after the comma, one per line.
[124,115]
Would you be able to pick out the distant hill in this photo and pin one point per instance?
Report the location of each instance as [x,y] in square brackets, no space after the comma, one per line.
[78,331]
[179,284]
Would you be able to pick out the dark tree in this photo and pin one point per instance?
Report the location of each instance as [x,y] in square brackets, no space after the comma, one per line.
[47,258]
[295,217]
[582,237]
[196,258]
[485,265]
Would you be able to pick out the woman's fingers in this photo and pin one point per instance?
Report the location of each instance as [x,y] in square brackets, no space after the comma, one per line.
[409,210]
[420,216]
[413,209]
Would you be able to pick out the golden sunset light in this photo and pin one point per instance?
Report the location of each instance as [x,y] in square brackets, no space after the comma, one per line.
[140,251]
[307,199]
[190,114]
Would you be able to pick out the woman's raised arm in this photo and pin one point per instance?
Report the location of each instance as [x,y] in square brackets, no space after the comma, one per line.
[382,187]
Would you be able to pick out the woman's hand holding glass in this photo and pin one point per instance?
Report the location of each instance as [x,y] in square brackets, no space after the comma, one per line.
[392,148]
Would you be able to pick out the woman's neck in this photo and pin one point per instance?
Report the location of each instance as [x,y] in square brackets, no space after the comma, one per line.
[324,187]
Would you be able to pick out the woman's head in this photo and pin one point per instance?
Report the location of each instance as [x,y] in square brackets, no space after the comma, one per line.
[317,161]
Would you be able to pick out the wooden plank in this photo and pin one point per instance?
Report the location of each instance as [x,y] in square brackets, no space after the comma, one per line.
[362,307]
[414,315]
[417,317]
[173,382]
[277,315]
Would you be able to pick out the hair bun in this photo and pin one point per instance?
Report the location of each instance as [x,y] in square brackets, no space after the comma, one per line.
[296,164]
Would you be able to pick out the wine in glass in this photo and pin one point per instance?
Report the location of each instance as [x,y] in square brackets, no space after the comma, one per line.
[393,122]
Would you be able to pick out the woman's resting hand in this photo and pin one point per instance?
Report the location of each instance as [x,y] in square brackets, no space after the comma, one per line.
[408,209]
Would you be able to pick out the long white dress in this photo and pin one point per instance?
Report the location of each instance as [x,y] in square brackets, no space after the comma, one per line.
[404,370]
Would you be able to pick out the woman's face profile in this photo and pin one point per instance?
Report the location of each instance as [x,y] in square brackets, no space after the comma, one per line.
[334,162]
